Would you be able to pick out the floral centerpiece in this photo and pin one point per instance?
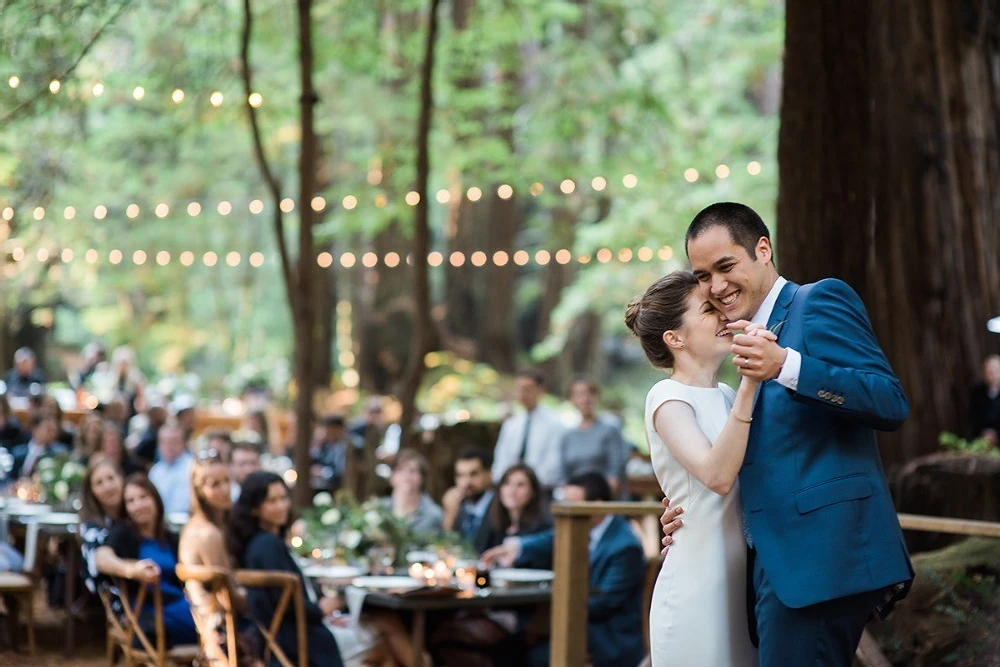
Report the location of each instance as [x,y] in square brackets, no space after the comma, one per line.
[340,529]
[58,478]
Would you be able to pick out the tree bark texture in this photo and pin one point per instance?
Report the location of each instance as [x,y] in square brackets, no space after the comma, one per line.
[423,324]
[889,156]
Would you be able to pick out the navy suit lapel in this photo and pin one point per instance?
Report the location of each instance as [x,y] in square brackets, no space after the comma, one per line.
[781,306]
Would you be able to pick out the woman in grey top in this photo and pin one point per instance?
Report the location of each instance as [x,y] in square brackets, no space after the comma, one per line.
[594,445]
[408,500]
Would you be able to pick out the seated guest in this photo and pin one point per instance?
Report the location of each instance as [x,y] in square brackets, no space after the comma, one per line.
[42,445]
[156,417]
[258,526]
[408,500]
[89,434]
[517,509]
[172,473]
[113,447]
[203,543]
[617,576]
[243,460]
[466,505]
[11,433]
[101,510]
[329,454]
[984,403]
[594,445]
[219,442]
[24,379]
[140,547]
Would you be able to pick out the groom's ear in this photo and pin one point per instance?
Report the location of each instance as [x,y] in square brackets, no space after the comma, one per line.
[764,250]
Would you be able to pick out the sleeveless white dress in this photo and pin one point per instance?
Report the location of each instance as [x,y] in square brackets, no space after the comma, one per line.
[698,614]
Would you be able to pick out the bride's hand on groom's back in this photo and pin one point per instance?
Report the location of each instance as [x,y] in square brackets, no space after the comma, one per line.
[670,521]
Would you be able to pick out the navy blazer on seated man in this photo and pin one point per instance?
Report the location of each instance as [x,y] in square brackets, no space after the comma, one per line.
[617,576]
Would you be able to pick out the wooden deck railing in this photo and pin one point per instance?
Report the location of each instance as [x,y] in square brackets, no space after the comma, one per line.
[572,580]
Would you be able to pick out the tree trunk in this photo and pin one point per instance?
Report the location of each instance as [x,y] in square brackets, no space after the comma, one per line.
[890,179]
[305,315]
[422,323]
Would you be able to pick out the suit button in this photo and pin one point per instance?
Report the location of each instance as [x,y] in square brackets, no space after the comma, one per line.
[821,393]
[840,400]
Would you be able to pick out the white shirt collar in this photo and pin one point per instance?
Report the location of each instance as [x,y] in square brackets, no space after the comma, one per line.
[597,532]
[763,313]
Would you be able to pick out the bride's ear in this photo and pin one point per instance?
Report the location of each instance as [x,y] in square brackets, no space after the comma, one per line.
[673,340]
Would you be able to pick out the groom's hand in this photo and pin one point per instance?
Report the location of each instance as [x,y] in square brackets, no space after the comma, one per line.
[670,523]
[758,355]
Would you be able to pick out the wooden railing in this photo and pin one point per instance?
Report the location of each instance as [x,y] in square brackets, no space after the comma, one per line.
[572,581]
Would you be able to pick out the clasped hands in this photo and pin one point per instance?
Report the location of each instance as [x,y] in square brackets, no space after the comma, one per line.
[758,355]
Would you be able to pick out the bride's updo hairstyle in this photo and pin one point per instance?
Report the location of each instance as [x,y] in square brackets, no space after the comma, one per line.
[660,309]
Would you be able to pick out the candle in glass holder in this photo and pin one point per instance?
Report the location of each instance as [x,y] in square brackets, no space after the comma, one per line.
[442,571]
[466,578]
[417,570]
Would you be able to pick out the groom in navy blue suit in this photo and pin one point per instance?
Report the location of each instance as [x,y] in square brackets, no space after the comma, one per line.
[817,511]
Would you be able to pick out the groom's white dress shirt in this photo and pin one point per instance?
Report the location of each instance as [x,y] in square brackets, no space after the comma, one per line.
[789,375]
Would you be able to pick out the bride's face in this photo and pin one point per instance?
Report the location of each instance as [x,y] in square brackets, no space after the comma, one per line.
[705,332]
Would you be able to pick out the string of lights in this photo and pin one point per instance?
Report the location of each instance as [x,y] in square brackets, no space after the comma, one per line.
[350,202]
[347,260]
[138,93]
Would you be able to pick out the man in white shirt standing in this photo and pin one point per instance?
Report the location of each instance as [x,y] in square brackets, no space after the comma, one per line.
[172,473]
[532,436]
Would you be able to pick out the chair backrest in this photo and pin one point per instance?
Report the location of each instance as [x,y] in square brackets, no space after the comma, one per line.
[130,636]
[653,564]
[290,587]
[216,580]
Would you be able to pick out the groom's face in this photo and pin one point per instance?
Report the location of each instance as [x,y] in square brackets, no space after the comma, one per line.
[732,280]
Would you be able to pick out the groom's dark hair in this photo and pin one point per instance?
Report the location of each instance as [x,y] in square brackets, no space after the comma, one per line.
[744,225]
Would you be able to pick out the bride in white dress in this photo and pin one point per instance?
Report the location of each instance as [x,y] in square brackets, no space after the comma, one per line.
[697,432]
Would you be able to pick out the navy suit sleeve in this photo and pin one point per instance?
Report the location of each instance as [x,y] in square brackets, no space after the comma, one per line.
[268,552]
[843,368]
[619,582]
[536,550]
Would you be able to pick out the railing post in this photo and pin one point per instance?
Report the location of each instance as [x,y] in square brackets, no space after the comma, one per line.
[570,590]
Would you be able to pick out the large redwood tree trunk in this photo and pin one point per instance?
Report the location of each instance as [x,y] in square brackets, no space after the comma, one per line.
[889,157]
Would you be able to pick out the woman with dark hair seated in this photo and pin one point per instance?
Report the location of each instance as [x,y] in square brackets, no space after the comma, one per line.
[258,526]
[517,509]
[141,548]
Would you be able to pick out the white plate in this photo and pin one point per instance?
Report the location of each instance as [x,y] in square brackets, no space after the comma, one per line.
[387,583]
[333,571]
[57,519]
[519,576]
[421,556]
[29,510]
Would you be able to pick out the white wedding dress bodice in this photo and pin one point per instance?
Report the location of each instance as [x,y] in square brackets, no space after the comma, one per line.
[698,616]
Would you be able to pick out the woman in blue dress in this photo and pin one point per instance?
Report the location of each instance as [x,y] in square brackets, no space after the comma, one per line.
[140,547]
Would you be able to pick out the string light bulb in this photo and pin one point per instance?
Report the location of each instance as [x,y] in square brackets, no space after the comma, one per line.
[38,213]
[233,258]
[350,202]
[567,186]
[139,257]
[193,209]
[599,183]
[256,206]
[187,258]
[324,260]
[97,89]
[132,211]
[318,203]
[210,258]
[14,81]
[138,93]
[101,212]
[177,96]
[287,205]
[161,210]
[66,255]
[257,259]
[690,174]
[474,193]
[115,256]
[722,171]
[216,99]
[369,260]
[753,168]
[412,197]
[478,258]
[163,258]
[630,181]
[54,86]
[521,257]
[505,191]
[391,259]
[224,208]
[255,100]
[69,212]
[443,196]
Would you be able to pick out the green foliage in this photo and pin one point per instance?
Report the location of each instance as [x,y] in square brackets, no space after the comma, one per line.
[952,442]
[529,90]
[341,529]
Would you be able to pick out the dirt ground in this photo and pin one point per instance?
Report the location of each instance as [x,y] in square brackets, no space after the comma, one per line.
[50,637]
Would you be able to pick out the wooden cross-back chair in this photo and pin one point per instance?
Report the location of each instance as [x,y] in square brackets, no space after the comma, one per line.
[218,581]
[19,587]
[125,630]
